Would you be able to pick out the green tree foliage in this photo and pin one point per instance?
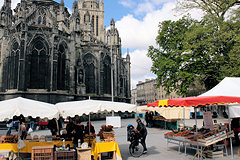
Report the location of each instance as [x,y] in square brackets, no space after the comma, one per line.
[190,52]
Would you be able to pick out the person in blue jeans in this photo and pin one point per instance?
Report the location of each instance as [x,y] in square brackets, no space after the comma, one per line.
[141,128]
[9,125]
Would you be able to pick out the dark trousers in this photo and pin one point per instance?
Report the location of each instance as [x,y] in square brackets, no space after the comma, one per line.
[143,141]
[236,137]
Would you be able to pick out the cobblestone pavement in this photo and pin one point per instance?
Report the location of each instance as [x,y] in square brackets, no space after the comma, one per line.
[156,144]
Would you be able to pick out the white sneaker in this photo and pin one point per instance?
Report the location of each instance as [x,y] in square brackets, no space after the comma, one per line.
[144,152]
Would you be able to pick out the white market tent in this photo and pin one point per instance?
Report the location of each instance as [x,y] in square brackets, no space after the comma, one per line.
[229,86]
[27,107]
[234,110]
[92,106]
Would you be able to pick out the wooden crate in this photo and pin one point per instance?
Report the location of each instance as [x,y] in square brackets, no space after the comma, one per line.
[214,154]
[106,135]
[42,152]
[83,154]
[9,139]
[64,155]
[213,139]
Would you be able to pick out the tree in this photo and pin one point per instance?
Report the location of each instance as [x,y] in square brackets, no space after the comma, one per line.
[168,59]
[191,52]
[216,9]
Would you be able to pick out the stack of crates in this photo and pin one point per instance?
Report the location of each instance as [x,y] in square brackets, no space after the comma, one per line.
[64,155]
[42,153]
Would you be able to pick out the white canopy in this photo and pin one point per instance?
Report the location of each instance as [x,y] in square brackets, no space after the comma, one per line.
[27,107]
[92,106]
[229,86]
[234,110]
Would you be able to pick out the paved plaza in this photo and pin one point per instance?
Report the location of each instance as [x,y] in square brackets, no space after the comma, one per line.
[157,145]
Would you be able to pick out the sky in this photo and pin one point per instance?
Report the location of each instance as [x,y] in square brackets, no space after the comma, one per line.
[137,22]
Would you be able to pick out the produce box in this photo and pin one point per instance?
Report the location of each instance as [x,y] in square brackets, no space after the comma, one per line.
[214,154]
[108,134]
[64,155]
[109,139]
[9,139]
[230,134]
[83,154]
[42,152]
[213,139]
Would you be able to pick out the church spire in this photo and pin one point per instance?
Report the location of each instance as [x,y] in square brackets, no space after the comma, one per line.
[62,2]
[7,3]
[112,24]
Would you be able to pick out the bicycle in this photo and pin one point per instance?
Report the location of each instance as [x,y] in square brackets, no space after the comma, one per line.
[135,148]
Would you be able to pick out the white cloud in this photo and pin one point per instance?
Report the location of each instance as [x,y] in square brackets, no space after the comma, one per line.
[144,8]
[127,3]
[139,34]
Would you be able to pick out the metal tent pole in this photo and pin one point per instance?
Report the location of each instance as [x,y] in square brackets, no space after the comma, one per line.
[229,122]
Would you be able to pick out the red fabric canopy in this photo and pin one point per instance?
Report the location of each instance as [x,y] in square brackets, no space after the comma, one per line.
[153,104]
[198,101]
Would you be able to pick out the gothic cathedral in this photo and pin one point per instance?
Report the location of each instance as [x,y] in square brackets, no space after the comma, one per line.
[48,54]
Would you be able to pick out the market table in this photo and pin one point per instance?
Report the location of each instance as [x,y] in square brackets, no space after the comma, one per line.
[199,145]
[102,147]
[29,145]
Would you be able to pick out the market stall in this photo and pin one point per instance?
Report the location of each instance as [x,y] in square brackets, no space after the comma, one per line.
[95,106]
[208,135]
[169,117]
[22,106]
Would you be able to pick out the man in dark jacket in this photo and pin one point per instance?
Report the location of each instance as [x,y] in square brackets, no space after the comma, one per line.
[141,128]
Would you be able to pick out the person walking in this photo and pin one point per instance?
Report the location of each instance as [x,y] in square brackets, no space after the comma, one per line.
[147,119]
[9,126]
[141,128]
[150,119]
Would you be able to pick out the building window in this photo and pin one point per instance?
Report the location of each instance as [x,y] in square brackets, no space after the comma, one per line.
[42,17]
[61,69]
[77,21]
[12,67]
[89,67]
[39,64]
[44,20]
[107,75]
[97,26]
[39,20]
[93,24]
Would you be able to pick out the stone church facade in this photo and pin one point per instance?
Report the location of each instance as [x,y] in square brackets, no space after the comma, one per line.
[48,54]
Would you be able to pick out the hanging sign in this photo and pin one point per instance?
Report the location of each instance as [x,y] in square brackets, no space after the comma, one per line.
[207,119]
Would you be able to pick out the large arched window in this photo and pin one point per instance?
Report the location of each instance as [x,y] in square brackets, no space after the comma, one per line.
[38,64]
[89,66]
[12,67]
[61,68]
[107,75]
